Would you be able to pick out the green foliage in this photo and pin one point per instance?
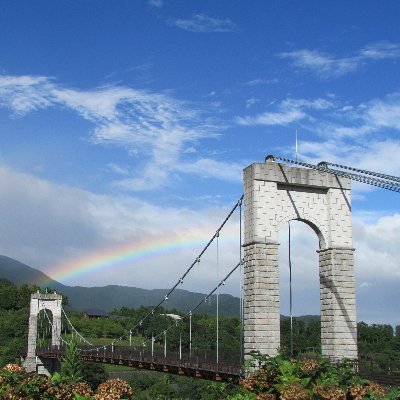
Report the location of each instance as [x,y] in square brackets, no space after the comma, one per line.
[71,367]
[279,378]
[393,394]
[148,386]
[93,373]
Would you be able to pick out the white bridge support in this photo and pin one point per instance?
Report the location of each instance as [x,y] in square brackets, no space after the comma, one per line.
[39,302]
[273,195]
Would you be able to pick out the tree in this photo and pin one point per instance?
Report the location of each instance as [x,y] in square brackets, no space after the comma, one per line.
[94,374]
[71,367]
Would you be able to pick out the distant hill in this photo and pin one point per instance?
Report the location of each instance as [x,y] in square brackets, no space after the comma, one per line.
[20,273]
[111,297]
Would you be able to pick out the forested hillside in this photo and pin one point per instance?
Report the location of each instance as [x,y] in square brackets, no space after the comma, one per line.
[378,342]
[111,297]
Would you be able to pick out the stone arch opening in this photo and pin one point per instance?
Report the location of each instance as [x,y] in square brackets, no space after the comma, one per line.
[274,194]
[50,302]
[44,327]
[305,284]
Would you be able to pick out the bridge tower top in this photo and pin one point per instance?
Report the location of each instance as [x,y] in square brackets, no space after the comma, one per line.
[276,193]
[49,301]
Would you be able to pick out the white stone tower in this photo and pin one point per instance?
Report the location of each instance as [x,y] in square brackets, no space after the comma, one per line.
[51,302]
[273,195]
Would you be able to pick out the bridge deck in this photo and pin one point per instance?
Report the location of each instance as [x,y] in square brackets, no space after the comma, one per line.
[220,371]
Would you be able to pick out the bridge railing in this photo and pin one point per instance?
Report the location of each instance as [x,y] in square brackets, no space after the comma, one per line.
[195,359]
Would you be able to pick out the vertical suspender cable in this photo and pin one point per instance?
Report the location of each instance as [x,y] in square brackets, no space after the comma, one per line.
[180,345]
[165,344]
[290,293]
[217,298]
[240,283]
[190,334]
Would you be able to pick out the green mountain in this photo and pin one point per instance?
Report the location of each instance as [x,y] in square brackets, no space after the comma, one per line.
[107,298]
[113,296]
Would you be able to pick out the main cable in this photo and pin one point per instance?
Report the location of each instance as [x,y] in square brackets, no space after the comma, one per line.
[180,280]
[381,180]
[206,298]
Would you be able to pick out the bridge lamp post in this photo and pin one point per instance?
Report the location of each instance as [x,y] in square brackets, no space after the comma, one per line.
[190,334]
[180,346]
[165,344]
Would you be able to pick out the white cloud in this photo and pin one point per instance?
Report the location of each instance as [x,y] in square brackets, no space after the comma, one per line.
[384,113]
[208,168]
[259,81]
[360,135]
[156,3]
[201,23]
[377,245]
[289,111]
[118,169]
[376,264]
[371,155]
[50,226]
[53,227]
[327,66]
[250,102]
[23,94]
[159,128]
[380,51]
[321,63]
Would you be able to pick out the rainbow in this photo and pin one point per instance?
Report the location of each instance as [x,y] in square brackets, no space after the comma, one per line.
[129,253]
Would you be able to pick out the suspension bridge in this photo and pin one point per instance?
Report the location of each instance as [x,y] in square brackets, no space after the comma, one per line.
[274,194]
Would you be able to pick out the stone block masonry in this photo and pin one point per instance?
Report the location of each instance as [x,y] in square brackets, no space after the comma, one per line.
[338,303]
[51,302]
[275,194]
[261,298]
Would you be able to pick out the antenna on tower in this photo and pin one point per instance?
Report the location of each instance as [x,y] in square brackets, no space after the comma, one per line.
[296,142]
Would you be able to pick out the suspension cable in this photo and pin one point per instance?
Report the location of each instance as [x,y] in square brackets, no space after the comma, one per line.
[206,298]
[240,284]
[363,171]
[73,328]
[389,183]
[51,323]
[290,292]
[180,280]
[217,299]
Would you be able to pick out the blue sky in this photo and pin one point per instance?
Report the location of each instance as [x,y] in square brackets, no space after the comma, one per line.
[124,120]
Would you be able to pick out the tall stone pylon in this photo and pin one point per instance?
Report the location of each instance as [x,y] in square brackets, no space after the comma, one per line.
[275,194]
[39,302]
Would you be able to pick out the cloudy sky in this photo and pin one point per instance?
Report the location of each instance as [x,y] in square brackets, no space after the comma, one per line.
[126,125]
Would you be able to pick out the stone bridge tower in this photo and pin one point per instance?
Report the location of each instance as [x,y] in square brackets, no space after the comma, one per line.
[273,195]
[51,302]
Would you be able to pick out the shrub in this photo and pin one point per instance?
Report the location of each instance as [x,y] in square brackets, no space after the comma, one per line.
[12,368]
[114,389]
[325,392]
[367,391]
[293,391]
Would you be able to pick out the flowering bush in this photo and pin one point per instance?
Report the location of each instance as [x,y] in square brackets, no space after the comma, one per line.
[320,380]
[16,384]
[114,389]
[367,391]
[13,368]
[328,392]
[294,391]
